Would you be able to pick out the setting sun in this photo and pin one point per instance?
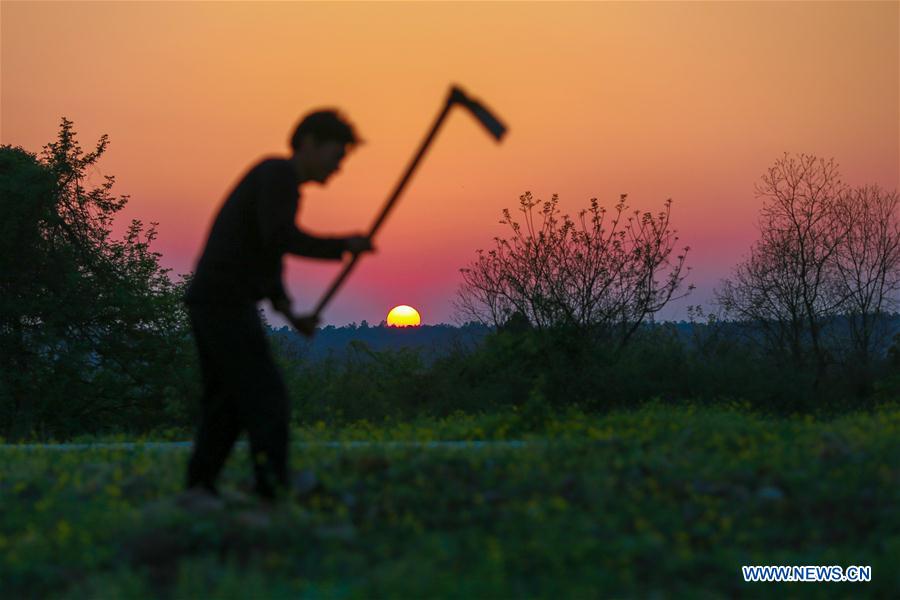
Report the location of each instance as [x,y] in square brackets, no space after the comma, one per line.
[403,316]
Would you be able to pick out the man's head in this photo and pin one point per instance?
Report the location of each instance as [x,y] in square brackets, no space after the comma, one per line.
[319,143]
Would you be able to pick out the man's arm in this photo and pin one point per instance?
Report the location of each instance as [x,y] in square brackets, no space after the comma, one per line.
[276,209]
[305,324]
[303,244]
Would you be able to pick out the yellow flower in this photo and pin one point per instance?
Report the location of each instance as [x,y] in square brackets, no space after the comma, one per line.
[63,530]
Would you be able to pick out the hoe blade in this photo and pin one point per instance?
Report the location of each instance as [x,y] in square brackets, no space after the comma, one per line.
[484,116]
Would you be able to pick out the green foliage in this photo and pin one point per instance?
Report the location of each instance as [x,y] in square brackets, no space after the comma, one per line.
[661,501]
[535,371]
[92,325]
[363,385]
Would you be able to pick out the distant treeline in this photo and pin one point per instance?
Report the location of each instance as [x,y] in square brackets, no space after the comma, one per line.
[336,342]
[434,341]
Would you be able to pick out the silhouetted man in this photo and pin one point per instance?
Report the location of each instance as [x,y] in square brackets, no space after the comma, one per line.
[242,264]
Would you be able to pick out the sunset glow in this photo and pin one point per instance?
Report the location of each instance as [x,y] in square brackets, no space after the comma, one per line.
[681,100]
[403,316]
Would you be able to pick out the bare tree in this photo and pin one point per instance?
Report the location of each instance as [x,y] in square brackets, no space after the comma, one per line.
[867,266]
[827,262]
[784,286]
[607,273]
[764,292]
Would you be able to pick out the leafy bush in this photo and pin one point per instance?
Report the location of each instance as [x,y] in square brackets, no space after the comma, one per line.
[546,372]
[92,329]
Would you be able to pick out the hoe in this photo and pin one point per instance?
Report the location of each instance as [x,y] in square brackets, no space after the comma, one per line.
[455,97]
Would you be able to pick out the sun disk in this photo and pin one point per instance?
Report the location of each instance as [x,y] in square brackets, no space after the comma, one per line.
[403,316]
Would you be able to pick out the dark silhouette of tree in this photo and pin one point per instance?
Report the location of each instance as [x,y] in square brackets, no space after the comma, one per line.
[824,271]
[867,270]
[605,274]
[92,324]
[784,286]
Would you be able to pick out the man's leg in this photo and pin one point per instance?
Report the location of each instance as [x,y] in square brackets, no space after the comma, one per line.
[262,403]
[219,422]
[267,426]
[218,431]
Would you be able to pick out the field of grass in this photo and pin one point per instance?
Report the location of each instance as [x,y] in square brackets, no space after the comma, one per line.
[661,500]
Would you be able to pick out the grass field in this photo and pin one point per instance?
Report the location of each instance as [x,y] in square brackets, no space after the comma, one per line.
[661,500]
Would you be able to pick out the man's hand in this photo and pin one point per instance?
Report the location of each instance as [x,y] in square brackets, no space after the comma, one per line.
[305,324]
[283,306]
[358,244]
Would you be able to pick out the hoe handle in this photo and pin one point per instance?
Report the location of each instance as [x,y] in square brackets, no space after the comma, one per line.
[456,96]
[390,203]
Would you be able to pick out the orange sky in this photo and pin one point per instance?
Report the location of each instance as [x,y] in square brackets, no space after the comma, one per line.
[689,101]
